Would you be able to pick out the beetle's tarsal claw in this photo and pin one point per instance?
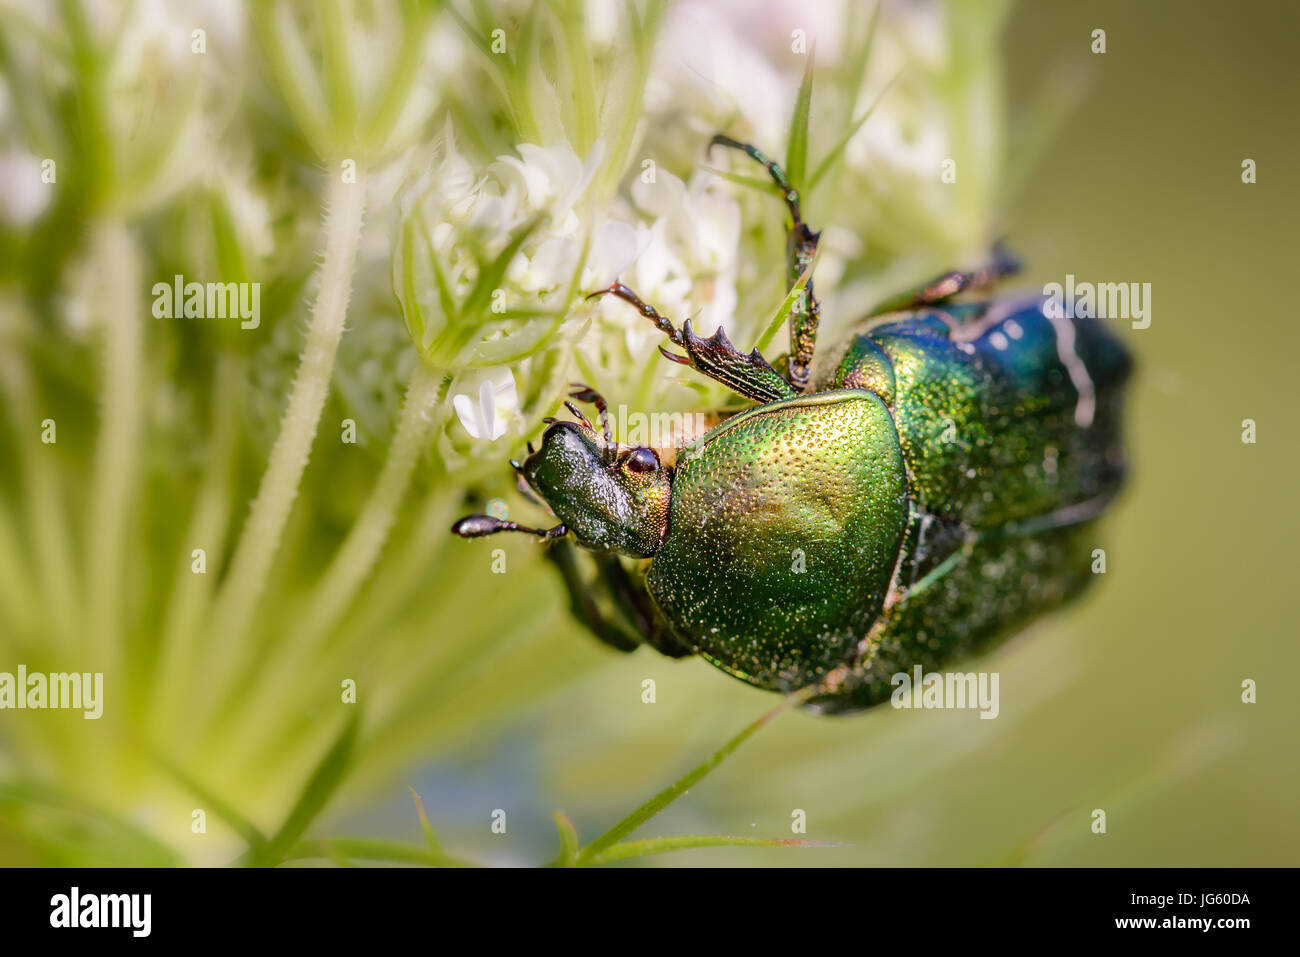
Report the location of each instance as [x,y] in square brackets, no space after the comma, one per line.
[550,420]
[669,354]
[578,414]
[624,293]
[720,139]
[662,323]
[585,393]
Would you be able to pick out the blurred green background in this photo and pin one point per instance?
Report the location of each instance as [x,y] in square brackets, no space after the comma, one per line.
[476,689]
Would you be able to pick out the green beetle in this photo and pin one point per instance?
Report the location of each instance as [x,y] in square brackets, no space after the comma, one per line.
[910,498]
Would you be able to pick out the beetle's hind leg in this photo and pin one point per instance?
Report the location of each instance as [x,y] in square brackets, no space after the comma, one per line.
[800,250]
[942,288]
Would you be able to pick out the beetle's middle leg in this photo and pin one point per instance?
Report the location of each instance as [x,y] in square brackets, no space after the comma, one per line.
[800,250]
[942,288]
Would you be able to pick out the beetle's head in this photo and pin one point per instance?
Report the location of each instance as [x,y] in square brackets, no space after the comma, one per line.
[609,497]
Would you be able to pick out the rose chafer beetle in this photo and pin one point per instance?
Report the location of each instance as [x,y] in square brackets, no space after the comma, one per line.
[910,498]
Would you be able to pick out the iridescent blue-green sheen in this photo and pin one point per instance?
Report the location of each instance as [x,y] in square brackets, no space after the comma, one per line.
[938,493]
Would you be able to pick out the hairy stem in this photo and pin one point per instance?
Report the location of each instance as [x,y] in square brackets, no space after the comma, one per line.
[371,850]
[260,537]
[356,557]
[666,845]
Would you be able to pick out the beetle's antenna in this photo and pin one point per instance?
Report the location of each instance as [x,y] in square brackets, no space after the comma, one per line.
[585,393]
[477,526]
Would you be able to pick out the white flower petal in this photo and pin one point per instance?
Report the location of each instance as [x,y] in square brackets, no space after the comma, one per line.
[487,409]
[467,412]
[615,245]
[666,196]
[488,416]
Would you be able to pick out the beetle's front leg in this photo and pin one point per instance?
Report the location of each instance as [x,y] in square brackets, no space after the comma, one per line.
[800,251]
[634,623]
[583,604]
[633,600]
[750,375]
[942,288]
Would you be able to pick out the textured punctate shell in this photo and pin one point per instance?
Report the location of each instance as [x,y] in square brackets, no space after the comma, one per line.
[785,528]
[1001,419]
[993,586]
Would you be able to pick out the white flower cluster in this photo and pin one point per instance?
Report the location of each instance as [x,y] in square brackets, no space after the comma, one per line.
[679,244]
[471,218]
[684,250]
[675,243]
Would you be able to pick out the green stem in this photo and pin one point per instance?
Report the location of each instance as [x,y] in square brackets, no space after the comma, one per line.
[668,795]
[191,594]
[356,557]
[291,67]
[17,593]
[406,567]
[626,106]
[260,538]
[573,34]
[117,263]
[666,845]
[369,850]
[51,541]
[340,84]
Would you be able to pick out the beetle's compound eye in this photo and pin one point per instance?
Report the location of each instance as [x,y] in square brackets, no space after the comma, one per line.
[642,460]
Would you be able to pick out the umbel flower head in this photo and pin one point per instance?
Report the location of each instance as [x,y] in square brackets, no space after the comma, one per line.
[245,530]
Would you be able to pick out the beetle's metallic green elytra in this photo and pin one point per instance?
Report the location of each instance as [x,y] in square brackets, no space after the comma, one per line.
[908,498]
